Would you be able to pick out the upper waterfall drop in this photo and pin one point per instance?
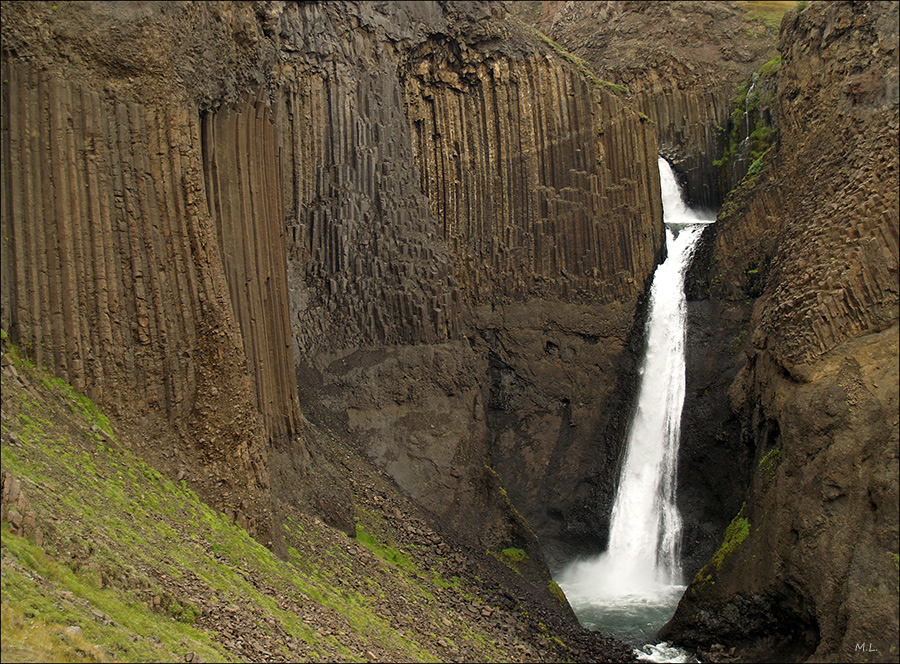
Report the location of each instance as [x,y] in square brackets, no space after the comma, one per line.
[675,211]
[640,572]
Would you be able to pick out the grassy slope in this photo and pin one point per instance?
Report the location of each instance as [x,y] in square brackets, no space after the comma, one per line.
[769,12]
[149,572]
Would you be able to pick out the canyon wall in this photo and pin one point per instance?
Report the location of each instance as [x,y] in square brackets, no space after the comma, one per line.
[808,568]
[460,261]
[682,63]
[247,227]
[547,191]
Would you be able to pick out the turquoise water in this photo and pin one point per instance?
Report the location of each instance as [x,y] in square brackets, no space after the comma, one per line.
[634,619]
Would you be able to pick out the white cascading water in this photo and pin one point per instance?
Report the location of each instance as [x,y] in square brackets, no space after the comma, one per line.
[632,588]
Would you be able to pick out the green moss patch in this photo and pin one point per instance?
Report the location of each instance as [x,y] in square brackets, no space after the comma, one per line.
[769,463]
[556,591]
[387,553]
[749,121]
[735,534]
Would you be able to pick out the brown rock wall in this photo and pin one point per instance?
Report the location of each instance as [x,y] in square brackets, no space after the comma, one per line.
[112,274]
[16,510]
[681,61]
[73,183]
[504,180]
[836,273]
[243,185]
[367,264]
[734,266]
[815,578]
[543,187]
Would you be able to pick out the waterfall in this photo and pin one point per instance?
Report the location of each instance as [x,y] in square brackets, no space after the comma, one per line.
[645,530]
[640,572]
[741,157]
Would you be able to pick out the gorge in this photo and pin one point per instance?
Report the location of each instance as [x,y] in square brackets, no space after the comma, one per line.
[327,261]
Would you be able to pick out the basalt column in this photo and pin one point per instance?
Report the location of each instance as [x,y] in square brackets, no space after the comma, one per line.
[547,194]
[112,275]
[243,186]
[540,183]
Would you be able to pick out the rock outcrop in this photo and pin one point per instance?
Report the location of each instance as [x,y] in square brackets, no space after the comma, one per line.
[808,568]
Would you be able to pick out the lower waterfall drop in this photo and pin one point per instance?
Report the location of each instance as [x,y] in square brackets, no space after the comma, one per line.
[632,588]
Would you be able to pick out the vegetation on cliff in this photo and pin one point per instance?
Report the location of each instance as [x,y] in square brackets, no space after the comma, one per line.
[104,559]
[583,67]
[751,134]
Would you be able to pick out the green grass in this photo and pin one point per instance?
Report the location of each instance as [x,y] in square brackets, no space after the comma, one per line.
[136,630]
[387,553]
[515,556]
[511,557]
[735,535]
[768,12]
[757,163]
[556,591]
[147,552]
[747,109]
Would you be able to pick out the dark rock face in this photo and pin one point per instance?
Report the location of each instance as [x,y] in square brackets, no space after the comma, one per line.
[556,429]
[682,62]
[112,275]
[714,461]
[426,327]
[815,235]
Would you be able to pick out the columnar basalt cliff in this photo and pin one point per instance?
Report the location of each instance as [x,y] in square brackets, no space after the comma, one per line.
[527,166]
[113,276]
[399,302]
[681,62]
[546,189]
[243,182]
[411,225]
[250,230]
[808,568]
